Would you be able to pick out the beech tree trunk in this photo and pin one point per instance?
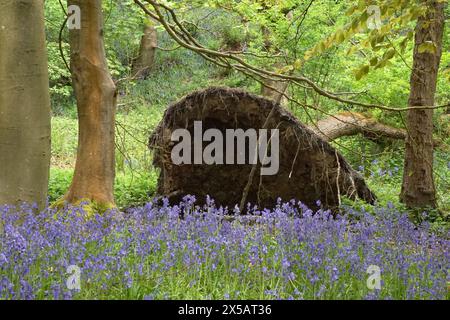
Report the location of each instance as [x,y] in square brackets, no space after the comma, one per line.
[96,103]
[352,123]
[349,123]
[24,103]
[144,61]
[267,90]
[418,188]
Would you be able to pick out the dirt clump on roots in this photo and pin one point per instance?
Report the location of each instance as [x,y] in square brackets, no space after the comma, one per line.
[310,169]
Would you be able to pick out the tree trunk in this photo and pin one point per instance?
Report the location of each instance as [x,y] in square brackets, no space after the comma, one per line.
[24,104]
[267,90]
[418,188]
[351,123]
[144,61]
[96,103]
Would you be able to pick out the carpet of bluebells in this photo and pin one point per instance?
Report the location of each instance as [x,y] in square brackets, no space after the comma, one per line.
[289,252]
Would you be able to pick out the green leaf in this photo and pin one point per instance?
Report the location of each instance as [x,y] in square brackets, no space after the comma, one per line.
[427,46]
[297,64]
[361,72]
[373,61]
[389,54]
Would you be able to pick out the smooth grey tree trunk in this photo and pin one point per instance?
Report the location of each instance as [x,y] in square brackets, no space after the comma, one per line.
[143,64]
[24,103]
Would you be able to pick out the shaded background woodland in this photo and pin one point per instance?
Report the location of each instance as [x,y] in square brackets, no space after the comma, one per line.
[176,71]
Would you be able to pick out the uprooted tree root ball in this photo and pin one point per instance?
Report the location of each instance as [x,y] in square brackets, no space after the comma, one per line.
[310,169]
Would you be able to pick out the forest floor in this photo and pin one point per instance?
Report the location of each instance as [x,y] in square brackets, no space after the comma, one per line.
[289,252]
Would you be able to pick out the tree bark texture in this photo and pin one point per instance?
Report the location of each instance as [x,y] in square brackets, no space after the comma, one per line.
[24,103]
[418,188]
[96,103]
[143,64]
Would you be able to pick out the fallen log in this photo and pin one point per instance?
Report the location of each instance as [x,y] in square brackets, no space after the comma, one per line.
[310,169]
[352,123]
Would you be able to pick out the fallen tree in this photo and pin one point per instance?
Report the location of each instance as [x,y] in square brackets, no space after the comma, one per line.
[347,123]
[310,169]
[352,123]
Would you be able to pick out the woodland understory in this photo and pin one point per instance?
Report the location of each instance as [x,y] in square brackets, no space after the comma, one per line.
[83,179]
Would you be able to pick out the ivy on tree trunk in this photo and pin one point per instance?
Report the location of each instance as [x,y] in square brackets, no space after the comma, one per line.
[418,188]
